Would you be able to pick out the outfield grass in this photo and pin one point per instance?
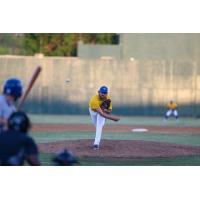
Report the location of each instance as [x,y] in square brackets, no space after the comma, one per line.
[186,139]
[176,161]
[85,119]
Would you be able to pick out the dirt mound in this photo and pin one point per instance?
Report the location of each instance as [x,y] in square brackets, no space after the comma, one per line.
[121,149]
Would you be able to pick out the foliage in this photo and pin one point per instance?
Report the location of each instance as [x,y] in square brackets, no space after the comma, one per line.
[11,43]
[50,44]
[63,44]
[98,38]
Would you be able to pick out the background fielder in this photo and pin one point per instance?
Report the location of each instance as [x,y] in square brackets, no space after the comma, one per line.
[100,107]
[171,110]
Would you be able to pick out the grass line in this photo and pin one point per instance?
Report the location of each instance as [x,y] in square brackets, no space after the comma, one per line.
[170,161]
[185,139]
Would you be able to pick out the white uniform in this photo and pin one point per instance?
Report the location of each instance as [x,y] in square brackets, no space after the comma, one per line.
[97,119]
[99,122]
[6,109]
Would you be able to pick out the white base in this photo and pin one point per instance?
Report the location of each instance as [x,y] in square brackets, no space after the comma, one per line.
[139,130]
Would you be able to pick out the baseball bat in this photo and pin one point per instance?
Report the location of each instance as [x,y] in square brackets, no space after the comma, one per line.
[30,85]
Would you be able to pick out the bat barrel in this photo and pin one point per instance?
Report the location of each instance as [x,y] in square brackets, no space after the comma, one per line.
[30,85]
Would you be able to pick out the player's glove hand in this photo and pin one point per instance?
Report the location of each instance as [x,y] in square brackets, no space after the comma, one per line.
[106,104]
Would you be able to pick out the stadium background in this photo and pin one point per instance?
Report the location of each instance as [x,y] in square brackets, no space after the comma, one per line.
[143,72]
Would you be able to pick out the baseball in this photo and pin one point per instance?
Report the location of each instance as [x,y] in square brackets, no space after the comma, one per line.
[67,80]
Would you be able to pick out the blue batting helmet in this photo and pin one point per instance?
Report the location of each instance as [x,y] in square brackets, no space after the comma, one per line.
[103,89]
[13,87]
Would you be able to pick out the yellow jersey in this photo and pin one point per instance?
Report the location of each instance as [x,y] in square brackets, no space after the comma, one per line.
[172,106]
[95,103]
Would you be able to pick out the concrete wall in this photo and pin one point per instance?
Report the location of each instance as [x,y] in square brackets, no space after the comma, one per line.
[96,51]
[165,46]
[146,46]
[137,87]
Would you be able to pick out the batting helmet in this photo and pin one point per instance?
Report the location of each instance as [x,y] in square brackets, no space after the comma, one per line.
[13,87]
[19,122]
[64,158]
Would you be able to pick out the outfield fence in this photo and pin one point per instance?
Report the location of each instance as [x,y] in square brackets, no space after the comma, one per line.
[137,87]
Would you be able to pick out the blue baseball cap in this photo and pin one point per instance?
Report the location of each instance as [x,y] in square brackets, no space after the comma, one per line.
[103,89]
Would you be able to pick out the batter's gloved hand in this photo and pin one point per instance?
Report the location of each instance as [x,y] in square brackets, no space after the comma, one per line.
[105,104]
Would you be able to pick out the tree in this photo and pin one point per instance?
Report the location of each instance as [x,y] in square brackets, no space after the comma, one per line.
[98,38]
[62,44]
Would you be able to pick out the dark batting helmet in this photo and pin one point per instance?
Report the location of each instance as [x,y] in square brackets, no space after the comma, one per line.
[65,158]
[19,122]
[13,87]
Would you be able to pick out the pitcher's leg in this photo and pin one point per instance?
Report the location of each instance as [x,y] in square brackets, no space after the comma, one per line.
[93,116]
[99,126]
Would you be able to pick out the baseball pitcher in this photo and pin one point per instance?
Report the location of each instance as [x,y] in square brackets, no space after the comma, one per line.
[100,107]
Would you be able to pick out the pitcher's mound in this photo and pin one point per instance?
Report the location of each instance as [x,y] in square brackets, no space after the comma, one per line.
[121,149]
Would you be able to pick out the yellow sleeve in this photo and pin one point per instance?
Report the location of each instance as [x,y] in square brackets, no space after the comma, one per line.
[95,103]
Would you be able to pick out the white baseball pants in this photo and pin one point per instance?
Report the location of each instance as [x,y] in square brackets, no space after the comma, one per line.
[174,112]
[99,122]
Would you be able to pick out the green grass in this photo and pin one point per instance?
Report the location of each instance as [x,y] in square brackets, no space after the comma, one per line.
[174,161]
[186,139]
[45,137]
[46,159]
[60,119]
[85,119]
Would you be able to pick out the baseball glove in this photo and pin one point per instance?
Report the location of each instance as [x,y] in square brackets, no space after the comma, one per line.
[105,104]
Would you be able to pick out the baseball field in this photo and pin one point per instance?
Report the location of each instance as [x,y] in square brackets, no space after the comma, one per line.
[133,141]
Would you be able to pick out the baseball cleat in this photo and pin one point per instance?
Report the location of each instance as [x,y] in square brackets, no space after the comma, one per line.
[96,147]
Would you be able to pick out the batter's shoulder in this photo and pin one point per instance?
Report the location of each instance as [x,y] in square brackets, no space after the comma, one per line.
[2,99]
